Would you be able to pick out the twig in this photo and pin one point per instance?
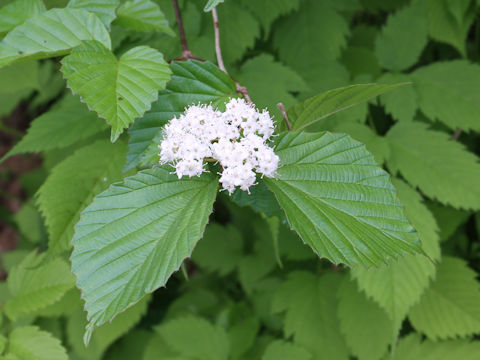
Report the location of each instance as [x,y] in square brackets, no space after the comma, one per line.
[285,116]
[457,134]
[218,50]
[186,53]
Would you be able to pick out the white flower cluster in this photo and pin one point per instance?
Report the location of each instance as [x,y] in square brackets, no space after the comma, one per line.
[236,138]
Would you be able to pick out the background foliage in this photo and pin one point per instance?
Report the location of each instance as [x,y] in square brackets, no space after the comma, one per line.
[251,290]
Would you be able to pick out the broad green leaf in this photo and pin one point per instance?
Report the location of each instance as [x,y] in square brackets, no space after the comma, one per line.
[444,27]
[135,235]
[238,29]
[19,77]
[451,305]
[397,286]
[449,92]
[142,15]
[34,285]
[52,33]
[448,219]
[330,102]
[59,128]
[320,21]
[285,351]
[339,200]
[310,304]
[30,223]
[3,342]
[267,11]
[413,348]
[375,144]
[221,249]
[277,83]
[356,313]
[157,349]
[72,185]
[260,199]
[361,61]
[401,41]
[196,338]
[15,13]
[192,82]
[242,334]
[421,218]
[211,4]
[118,90]
[443,169]
[106,334]
[29,342]
[104,9]
[402,104]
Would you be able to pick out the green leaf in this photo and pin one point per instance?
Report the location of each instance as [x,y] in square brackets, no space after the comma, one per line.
[421,218]
[72,185]
[15,13]
[260,199]
[104,9]
[339,201]
[29,342]
[285,351]
[211,4]
[106,334]
[396,287]
[238,29]
[196,338]
[320,21]
[192,82]
[59,128]
[401,41]
[330,102]
[443,169]
[19,77]
[142,15]
[51,33]
[34,285]
[444,27]
[403,103]
[310,304]
[138,233]
[356,313]
[449,92]
[277,83]
[221,249]
[451,305]
[448,219]
[412,348]
[119,91]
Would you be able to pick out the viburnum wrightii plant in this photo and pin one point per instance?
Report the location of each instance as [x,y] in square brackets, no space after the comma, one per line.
[181,210]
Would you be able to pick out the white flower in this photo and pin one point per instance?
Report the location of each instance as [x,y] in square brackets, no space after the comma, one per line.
[237,139]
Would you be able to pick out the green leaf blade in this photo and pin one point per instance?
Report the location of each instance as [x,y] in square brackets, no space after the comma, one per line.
[192,82]
[142,223]
[330,102]
[52,33]
[72,185]
[17,12]
[118,91]
[104,9]
[142,15]
[339,201]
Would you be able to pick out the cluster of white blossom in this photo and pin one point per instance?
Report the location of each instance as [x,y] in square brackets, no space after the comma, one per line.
[236,138]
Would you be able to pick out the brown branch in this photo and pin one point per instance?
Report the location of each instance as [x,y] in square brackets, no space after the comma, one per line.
[186,53]
[457,134]
[218,50]
[285,116]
